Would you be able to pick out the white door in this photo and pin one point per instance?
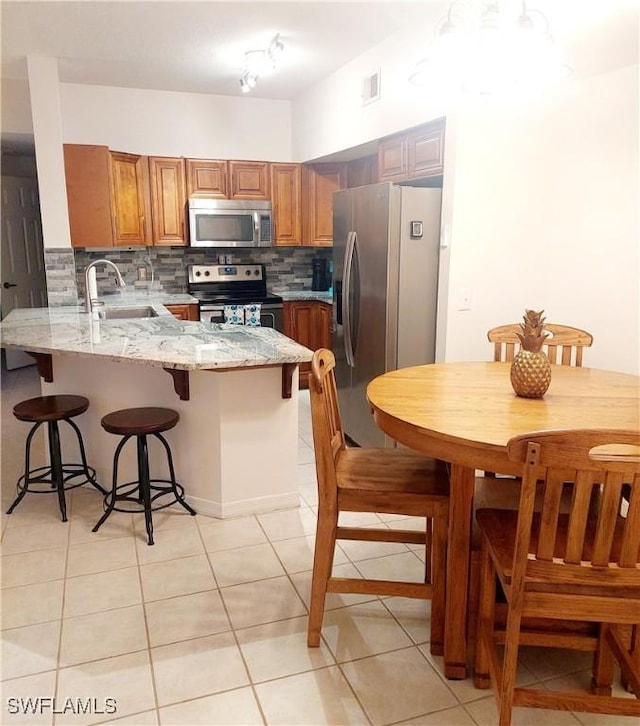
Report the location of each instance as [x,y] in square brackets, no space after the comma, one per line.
[23,278]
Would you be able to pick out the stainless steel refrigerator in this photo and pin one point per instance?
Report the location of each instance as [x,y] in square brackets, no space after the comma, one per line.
[386,242]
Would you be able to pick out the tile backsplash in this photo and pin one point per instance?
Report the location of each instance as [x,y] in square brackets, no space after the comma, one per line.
[288,268]
[59,265]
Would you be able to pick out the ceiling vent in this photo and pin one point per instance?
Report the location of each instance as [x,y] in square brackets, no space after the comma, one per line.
[371,88]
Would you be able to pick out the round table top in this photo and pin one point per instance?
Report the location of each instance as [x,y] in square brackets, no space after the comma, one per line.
[474,403]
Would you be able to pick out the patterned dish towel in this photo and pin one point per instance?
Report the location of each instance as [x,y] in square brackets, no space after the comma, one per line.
[234,314]
[252,315]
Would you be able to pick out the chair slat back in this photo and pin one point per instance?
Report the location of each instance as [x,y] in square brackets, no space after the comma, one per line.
[599,532]
[582,497]
[328,435]
[563,341]
[631,540]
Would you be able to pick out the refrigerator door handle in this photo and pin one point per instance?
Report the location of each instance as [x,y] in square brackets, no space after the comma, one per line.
[346,297]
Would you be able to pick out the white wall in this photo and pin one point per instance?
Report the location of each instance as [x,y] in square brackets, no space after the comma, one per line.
[47,135]
[16,107]
[330,116]
[545,215]
[540,198]
[167,123]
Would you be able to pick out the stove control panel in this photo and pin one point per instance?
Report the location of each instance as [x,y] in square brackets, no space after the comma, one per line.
[225,273]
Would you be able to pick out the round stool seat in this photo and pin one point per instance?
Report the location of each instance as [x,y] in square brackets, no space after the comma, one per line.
[140,421]
[50,408]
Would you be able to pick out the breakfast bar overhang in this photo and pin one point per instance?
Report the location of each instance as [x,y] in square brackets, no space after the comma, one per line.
[235,447]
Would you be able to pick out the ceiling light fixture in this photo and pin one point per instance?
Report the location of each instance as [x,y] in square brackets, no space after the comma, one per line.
[485,47]
[258,63]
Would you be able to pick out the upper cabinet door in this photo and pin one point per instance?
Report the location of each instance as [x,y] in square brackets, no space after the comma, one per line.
[414,154]
[321,181]
[249,180]
[207,178]
[86,170]
[168,199]
[286,191]
[392,159]
[130,199]
[426,151]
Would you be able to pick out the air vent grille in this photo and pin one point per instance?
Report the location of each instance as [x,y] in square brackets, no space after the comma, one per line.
[371,88]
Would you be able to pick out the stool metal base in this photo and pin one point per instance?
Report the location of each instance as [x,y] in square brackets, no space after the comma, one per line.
[56,475]
[145,491]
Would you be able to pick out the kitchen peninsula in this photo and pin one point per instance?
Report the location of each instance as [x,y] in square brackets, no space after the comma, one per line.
[235,447]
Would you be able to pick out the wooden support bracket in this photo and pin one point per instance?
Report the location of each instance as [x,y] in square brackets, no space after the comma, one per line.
[287,377]
[44,364]
[180,382]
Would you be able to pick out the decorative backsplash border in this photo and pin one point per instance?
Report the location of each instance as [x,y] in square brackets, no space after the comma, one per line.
[288,268]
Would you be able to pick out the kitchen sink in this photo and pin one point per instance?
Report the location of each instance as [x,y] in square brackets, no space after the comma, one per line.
[121,313]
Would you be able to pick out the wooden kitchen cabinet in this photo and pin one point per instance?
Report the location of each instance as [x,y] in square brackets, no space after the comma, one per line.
[308,322]
[207,178]
[168,200]
[130,199]
[320,181]
[363,171]
[393,159]
[414,154]
[86,171]
[324,325]
[108,197]
[425,149]
[249,180]
[188,311]
[286,199]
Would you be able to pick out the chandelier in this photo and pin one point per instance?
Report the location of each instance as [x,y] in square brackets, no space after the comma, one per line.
[259,63]
[487,47]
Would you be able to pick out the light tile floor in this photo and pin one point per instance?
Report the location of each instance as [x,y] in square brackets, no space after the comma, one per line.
[208,625]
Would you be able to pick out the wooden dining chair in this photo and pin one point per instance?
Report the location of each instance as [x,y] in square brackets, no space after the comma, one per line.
[582,565]
[391,481]
[562,339]
[569,340]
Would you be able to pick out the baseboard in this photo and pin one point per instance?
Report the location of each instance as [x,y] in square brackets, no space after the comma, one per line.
[243,508]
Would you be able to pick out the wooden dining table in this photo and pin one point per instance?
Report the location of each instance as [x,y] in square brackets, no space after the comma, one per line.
[465,413]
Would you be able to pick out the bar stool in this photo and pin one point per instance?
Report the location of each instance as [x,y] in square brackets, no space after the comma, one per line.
[142,422]
[51,410]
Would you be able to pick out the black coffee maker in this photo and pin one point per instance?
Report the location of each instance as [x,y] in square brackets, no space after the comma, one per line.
[320,277]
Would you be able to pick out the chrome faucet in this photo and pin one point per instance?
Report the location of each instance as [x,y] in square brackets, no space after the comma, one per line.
[89,301]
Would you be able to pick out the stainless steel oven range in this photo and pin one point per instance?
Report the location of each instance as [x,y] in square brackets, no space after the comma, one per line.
[218,285]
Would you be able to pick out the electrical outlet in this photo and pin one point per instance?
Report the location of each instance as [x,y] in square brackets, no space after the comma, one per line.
[142,273]
[465,299]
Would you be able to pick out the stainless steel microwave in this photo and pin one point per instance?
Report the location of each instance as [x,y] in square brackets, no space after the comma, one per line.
[229,223]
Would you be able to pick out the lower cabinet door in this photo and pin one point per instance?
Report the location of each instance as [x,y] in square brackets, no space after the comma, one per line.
[308,323]
[184,312]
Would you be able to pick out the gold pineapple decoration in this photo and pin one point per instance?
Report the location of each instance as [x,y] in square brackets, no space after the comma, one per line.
[530,369]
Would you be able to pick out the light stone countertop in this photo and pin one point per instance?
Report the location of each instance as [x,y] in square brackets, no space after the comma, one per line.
[144,297]
[161,341]
[293,295]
